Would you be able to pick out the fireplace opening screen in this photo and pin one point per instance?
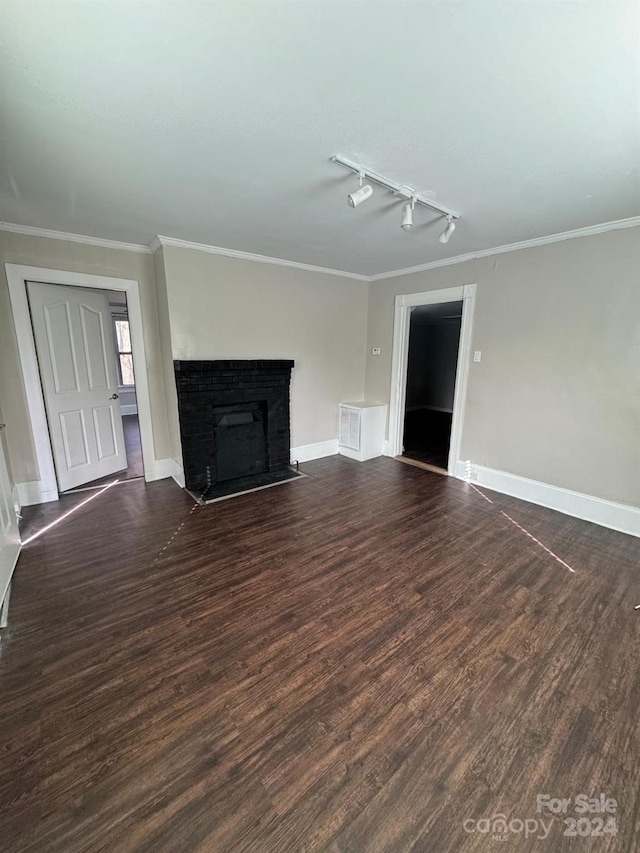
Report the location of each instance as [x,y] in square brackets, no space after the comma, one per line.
[240,438]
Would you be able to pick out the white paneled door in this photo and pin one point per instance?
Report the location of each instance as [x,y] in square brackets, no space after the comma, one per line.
[76,355]
[9,535]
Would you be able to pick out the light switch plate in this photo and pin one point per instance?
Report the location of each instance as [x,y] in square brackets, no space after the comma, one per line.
[477,356]
[375,350]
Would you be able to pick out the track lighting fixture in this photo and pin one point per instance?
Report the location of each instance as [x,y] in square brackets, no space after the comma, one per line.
[409,194]
[406,222]
[448,231]
[357,197]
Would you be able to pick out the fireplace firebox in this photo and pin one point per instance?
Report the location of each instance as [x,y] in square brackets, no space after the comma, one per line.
[240,440]
[234,424]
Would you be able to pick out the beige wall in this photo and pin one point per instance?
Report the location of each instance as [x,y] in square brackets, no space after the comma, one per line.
[223,307]
[3,449]
[76,257]
[557,395]
[164,325]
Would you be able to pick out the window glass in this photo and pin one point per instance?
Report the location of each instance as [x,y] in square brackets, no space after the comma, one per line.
[126,369]
[123,341]
[122,334]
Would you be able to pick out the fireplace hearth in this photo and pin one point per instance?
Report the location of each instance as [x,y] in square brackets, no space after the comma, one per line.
[234,424]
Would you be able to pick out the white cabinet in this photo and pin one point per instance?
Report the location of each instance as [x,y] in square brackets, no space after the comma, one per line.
[362,427]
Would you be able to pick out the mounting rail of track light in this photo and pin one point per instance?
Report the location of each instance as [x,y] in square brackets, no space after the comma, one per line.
[412,197]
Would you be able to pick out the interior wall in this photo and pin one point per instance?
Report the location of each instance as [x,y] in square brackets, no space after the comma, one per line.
[556,397]
[164,326]
[76,257]
[221,307]
[3,448]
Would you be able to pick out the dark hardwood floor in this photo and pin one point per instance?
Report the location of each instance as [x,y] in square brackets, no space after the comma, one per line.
[131,428]
[361,660]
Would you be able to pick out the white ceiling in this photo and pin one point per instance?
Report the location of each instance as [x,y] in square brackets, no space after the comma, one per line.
[214,121]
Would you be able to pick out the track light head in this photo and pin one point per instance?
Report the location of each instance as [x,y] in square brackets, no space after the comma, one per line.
[448,231]
[357,197]
[406,222]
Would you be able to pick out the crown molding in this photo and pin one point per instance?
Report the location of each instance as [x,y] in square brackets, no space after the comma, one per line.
[261,259]
[160,241]
[31,231]
[588,231]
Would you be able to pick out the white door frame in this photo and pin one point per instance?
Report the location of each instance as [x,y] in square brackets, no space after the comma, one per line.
[17,277]
[404,304]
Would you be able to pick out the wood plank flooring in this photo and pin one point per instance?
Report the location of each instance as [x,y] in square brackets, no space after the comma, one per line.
[361,660]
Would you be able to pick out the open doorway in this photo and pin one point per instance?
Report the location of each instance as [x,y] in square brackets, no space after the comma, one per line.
[432,361]
[85,361]
[404,305]
[45,488]
[126,383]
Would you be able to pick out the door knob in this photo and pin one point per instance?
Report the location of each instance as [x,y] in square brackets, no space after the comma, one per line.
[2,426]
[114,397]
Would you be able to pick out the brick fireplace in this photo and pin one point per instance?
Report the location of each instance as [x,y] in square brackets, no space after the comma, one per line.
[234,424]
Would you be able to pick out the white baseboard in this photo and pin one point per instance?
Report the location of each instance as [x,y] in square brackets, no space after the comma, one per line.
[32,493]
[177,472]
[163,469]
[616,516]
[307,452]
[129,409]
[28,494]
